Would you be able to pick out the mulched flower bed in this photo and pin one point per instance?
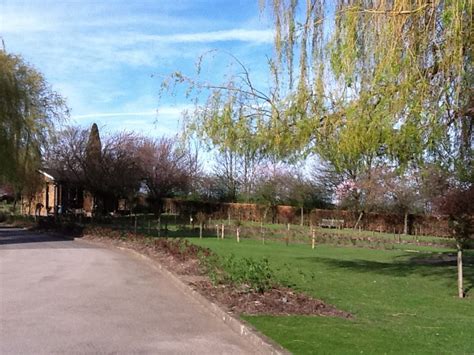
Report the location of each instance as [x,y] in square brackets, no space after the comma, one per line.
[182,258]
[276,301]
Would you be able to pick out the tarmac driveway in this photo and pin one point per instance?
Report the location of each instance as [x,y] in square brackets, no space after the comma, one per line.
[68,297]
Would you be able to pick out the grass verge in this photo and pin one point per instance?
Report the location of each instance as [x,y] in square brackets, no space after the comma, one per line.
[402,301]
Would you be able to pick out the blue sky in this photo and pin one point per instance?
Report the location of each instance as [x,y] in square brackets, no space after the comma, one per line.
[108,57]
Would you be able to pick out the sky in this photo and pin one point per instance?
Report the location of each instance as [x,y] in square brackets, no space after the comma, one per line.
[108,58]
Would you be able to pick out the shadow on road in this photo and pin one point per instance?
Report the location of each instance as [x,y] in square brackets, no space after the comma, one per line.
[21,236]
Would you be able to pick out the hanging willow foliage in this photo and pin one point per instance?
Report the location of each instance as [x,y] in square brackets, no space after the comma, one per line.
[28,111]
[388,78]
[356,81]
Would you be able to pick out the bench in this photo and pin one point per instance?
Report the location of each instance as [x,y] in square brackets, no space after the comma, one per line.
[332,223]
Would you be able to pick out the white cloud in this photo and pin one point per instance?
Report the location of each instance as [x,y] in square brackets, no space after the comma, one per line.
[114,114]
[164,112]
[101,56]
[165,122]
[238,34]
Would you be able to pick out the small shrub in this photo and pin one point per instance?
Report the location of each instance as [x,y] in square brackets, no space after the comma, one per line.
[256,274]
[212,267]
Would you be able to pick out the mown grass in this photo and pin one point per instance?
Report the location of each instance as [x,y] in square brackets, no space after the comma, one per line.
[401,303]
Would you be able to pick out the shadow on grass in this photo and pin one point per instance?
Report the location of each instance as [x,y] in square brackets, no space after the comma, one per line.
[440,265]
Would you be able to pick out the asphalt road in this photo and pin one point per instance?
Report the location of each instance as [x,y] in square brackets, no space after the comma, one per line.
[68,297]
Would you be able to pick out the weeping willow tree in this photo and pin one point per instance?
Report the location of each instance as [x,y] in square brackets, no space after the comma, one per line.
[384,81]
[28,111]
[370,80]
[360,83]
[357,82]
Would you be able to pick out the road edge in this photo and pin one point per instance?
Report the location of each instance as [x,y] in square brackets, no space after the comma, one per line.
[238,325]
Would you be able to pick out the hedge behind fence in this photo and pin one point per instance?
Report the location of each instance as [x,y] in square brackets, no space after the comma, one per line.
[389,223]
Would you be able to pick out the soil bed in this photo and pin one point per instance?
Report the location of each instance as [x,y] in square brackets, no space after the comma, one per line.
[276,301]
[182,258]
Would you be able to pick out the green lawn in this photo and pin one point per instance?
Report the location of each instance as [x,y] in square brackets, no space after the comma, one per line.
[400,306]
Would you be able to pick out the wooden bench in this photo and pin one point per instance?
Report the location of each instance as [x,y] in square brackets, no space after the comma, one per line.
[332,223]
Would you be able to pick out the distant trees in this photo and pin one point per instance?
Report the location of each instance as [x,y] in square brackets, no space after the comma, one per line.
[285,185]
[235,173]
[29,109]
[108,169]
[117,165]
[168,169]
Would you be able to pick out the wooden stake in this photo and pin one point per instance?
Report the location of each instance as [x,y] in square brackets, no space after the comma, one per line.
[460,276]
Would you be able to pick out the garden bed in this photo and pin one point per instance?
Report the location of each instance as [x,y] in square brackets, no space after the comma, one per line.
[191,264]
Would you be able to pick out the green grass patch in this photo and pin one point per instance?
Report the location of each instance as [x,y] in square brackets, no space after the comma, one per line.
[401,303]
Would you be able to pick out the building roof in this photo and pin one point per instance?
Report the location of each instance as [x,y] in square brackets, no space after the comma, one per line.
[58,175]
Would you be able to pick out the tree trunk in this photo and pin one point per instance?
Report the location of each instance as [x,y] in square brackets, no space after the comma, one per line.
[200,230]
[460,276]
[405,223]
[302,216]
[238,234]
[159,225]
[358,219]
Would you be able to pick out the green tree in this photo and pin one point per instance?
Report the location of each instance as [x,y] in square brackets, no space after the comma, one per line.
[94,146]
[361,83]
[29,108]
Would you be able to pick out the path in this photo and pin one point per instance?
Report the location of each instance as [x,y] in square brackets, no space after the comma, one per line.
[68,297]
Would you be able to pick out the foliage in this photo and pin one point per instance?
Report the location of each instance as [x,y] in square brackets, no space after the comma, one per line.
[109,169]
[181,249]
[362,84]
[253,274]
[234,174]
[167,169]
[29,109]
[457,203]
